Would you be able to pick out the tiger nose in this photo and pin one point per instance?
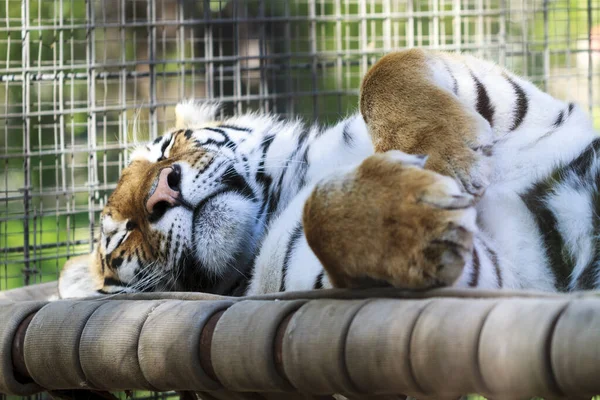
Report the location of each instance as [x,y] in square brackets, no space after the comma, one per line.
[167,189]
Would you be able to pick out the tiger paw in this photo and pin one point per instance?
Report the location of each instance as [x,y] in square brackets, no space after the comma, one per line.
[475,177]
[471,162]
[390,222]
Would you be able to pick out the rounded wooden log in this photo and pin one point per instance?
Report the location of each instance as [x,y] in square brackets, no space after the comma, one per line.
[314,347]
[176,365]
[244,361]
[514,348]
[575,349]
[373,349]
[52,344]
[440,347]
[503,347]
[14,377]
[108,349]
[18,351]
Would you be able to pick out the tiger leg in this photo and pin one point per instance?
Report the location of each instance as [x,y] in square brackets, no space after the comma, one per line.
[390,221]
[410,102]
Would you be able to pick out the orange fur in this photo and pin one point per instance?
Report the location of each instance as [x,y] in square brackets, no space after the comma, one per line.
[127,203]
[392,223]
[389,222]
[406,110]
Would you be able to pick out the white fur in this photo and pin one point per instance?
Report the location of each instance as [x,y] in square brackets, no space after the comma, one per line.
[113,230]
[216,244]
[192,114]
[77,281]
[575,218]
[267,271]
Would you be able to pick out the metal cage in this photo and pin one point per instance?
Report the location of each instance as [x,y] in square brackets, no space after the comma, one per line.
[84,81]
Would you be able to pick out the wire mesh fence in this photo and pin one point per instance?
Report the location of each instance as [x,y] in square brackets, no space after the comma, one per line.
[84,81]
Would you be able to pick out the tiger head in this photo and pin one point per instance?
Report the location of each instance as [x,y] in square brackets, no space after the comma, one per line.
[183,215]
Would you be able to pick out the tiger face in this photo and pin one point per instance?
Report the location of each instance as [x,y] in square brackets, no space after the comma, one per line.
[182,217]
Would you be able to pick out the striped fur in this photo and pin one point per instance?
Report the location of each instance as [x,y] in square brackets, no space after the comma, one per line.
[538,221]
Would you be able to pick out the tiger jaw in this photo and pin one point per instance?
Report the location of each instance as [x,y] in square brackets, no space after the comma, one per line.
[224,231]
[214,232]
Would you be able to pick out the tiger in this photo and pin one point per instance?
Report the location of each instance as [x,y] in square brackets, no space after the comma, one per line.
[453,172]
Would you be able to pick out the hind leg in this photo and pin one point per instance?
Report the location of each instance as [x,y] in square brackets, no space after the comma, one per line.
[409,102]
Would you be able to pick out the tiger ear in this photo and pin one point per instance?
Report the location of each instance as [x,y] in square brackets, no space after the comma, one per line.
[190,114]
[77,278]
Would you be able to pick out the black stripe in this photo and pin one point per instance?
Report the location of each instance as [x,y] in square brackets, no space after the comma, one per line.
[560,259]
[494,259]
[163,148]
[303,168]
[571,107]
[209,142]
[217,130]
[454,81]
[319,281]
[266,143]
[475,272]
[113,282]
[560,119]
[302,137]
[294,237]
[275,195]
[227,142]
[484,105]
[348,138]
[157,140]
[521,106]
[581,165]
[116,262]
[120,241]
[144,256]
[168,242]
[235,128]
[262,177]
[589,276]
[139,259]
[236,182]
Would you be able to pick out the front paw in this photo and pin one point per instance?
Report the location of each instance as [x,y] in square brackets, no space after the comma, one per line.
[446,255]
[389,222]
[474,176]
[470,160]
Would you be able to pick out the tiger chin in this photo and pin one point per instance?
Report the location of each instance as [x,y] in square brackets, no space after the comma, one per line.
[255,204]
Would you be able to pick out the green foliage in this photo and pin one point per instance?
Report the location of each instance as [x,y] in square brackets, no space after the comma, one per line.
[47,259]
